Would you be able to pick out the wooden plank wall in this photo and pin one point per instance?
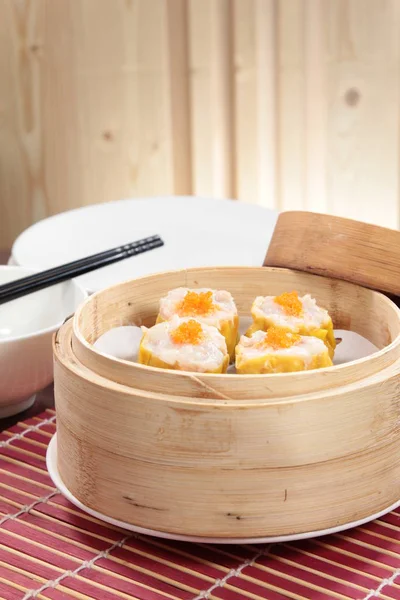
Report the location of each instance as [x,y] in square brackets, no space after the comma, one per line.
[286,103]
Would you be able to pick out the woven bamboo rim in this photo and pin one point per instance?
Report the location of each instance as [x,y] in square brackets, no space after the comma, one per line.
[350,305]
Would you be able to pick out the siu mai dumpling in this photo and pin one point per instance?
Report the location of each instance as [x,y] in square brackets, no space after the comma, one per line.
[280,351]
[184,344]
[297,314]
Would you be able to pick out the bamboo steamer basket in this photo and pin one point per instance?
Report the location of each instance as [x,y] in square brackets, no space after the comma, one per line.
[230,456]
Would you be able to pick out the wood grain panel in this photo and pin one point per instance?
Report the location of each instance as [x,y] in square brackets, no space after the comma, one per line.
[222,98]
[316,107]
[179,95]
[22,197]
[362,137]
[200,96]
[267,105]
[89,106]
[292,104]
[245,98]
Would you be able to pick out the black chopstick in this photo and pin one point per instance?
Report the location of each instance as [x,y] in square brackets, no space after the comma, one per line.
[76,264]
[38,281]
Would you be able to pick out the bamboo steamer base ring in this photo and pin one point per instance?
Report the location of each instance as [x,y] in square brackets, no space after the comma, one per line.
[51,463]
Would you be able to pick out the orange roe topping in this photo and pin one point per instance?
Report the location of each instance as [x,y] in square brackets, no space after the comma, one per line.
[290,303]
[279,338]
[196,303]
[190,332]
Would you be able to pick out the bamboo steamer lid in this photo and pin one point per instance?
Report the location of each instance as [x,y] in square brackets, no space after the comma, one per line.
[338,248]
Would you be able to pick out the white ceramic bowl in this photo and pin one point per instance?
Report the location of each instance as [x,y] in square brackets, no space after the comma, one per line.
[197,232]
[27,326]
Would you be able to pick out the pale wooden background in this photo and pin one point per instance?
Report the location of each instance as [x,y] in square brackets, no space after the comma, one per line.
[286,103]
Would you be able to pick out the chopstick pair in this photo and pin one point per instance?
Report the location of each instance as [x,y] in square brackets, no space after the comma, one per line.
[33,283]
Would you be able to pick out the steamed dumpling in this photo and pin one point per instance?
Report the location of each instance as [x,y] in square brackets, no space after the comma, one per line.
[279,351]
[184,344]
[297,314]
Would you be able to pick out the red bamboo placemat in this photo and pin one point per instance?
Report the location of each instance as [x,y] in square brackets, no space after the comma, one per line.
[51,550]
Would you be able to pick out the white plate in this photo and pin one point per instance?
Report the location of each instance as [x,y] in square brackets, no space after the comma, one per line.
[51,462]
[197,232]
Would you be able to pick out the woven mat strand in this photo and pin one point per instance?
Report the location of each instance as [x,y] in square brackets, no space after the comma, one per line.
[51,550]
